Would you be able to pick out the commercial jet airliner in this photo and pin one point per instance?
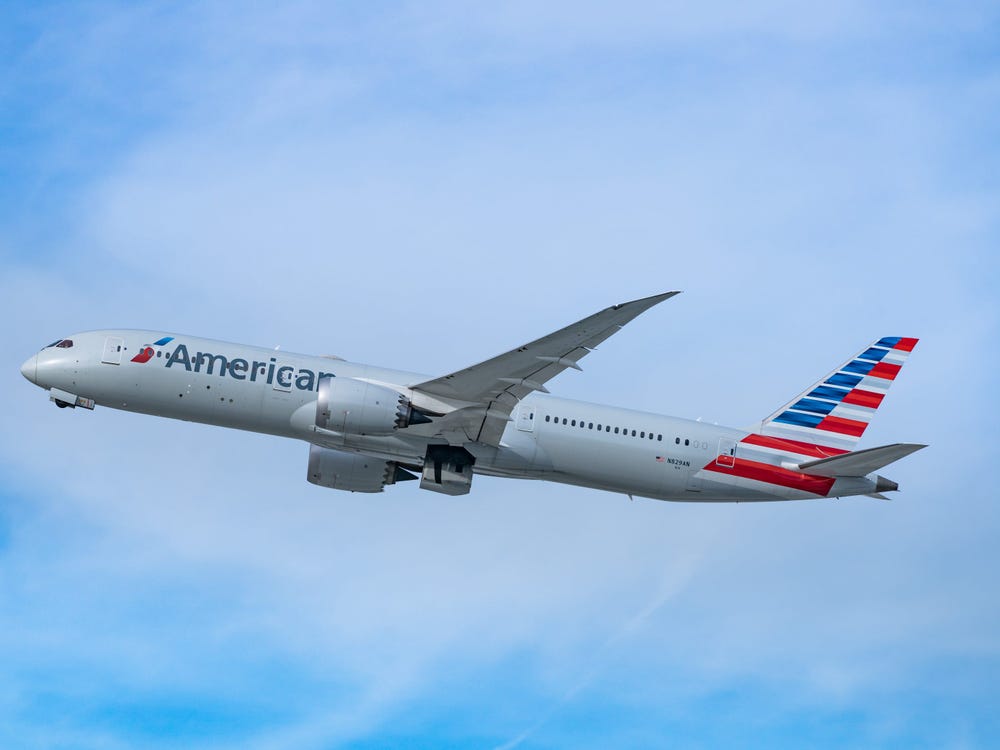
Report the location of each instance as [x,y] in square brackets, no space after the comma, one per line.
[368,427]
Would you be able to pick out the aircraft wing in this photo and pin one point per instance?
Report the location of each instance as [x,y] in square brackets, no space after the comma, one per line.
[494,387]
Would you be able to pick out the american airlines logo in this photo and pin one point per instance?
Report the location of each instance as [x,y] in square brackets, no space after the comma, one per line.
[283,376]
[147,351]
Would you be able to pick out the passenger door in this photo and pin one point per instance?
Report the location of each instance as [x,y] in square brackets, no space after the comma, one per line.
[113,346]
[727,453]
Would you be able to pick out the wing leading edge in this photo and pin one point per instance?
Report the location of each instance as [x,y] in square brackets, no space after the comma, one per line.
[493,388]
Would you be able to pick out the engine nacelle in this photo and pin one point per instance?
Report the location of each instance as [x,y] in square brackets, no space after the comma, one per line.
[352,471]
[354,407]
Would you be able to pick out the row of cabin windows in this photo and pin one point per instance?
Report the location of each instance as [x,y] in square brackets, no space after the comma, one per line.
[605,428]
[608,428]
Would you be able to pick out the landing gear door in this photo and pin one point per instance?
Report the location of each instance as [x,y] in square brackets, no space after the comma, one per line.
[113,346]
[526,417]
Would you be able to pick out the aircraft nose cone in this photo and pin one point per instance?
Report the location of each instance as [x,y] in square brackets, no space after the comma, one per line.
[30,368]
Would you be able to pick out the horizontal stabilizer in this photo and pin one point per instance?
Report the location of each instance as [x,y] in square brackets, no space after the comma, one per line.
[860,463]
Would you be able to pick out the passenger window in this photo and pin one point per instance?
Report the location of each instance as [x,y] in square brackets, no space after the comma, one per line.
[590,426]
[564,420]
[633,433]
[686,441]
[642,434]
[677,440]
[651,436]
[616,430]
[573,423]
[546,417]
[659,438]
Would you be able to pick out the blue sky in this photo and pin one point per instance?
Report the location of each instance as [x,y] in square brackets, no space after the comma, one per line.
[424,185]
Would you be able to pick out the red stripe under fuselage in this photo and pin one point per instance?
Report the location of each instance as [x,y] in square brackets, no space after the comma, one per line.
[772,474]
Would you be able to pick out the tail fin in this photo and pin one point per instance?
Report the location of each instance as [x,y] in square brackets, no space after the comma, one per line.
[835,412]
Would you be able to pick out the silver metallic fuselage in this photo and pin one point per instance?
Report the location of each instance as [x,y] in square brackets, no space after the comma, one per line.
[275,392]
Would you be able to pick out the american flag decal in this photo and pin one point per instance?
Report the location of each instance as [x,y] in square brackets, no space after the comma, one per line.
[660,459]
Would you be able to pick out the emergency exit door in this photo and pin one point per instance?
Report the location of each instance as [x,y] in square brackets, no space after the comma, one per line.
[525,418]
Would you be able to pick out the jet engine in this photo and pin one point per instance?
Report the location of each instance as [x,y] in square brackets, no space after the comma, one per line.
[354,407]
[352,471]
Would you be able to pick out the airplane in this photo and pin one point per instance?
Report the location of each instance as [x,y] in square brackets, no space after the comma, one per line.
[368,427]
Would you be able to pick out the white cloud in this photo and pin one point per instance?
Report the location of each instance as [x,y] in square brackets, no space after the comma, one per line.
[299,197]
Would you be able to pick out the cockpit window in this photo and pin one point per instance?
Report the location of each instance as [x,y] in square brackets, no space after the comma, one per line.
[64,344]
[57,341]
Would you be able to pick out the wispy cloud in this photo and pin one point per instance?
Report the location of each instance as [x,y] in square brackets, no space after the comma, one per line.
[353,180]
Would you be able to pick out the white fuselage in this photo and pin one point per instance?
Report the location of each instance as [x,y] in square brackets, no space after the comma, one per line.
[560,440]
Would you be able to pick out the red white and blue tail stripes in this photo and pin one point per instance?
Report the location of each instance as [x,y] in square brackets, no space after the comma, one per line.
[836,411]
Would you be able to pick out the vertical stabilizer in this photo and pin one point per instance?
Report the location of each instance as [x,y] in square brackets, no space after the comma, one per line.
[835,412]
